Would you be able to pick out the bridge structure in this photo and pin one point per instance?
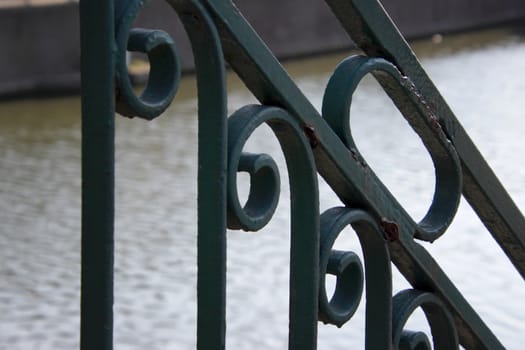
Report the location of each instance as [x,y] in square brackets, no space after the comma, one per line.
[313,142]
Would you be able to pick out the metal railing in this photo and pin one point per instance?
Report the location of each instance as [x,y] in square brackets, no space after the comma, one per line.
[312,143]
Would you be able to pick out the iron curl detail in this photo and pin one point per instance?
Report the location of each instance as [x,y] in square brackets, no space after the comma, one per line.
[304,198]
[264,190]
[165,67]
[421,117]
[346,266]
[440,319]
[264,174]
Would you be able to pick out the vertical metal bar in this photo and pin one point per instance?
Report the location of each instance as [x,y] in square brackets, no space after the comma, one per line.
[98,113]
[211,278]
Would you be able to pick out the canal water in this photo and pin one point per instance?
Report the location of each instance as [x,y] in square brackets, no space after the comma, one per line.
[480,75]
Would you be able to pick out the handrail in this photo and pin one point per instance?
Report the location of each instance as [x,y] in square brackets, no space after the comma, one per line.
[312,143]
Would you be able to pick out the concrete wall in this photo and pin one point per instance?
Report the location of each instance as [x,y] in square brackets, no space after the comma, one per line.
[39,49]
[300,27]
[40,46]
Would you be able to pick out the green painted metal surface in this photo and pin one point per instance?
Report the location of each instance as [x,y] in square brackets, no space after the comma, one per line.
[312,143]
[98,133]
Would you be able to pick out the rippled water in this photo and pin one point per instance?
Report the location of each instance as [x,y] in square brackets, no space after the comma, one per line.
[481,78]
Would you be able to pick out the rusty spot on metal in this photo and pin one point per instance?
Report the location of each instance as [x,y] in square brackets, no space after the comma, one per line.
[309,131]
[391,229]
[358,158]
[434,122]
[354,153]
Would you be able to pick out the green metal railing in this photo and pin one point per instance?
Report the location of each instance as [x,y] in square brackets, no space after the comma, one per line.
[312,143]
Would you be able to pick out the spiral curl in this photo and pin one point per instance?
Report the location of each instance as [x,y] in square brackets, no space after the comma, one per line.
[347,268]
[304,198]
[264,174]
[264,191]
[441,322]
[165,67]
